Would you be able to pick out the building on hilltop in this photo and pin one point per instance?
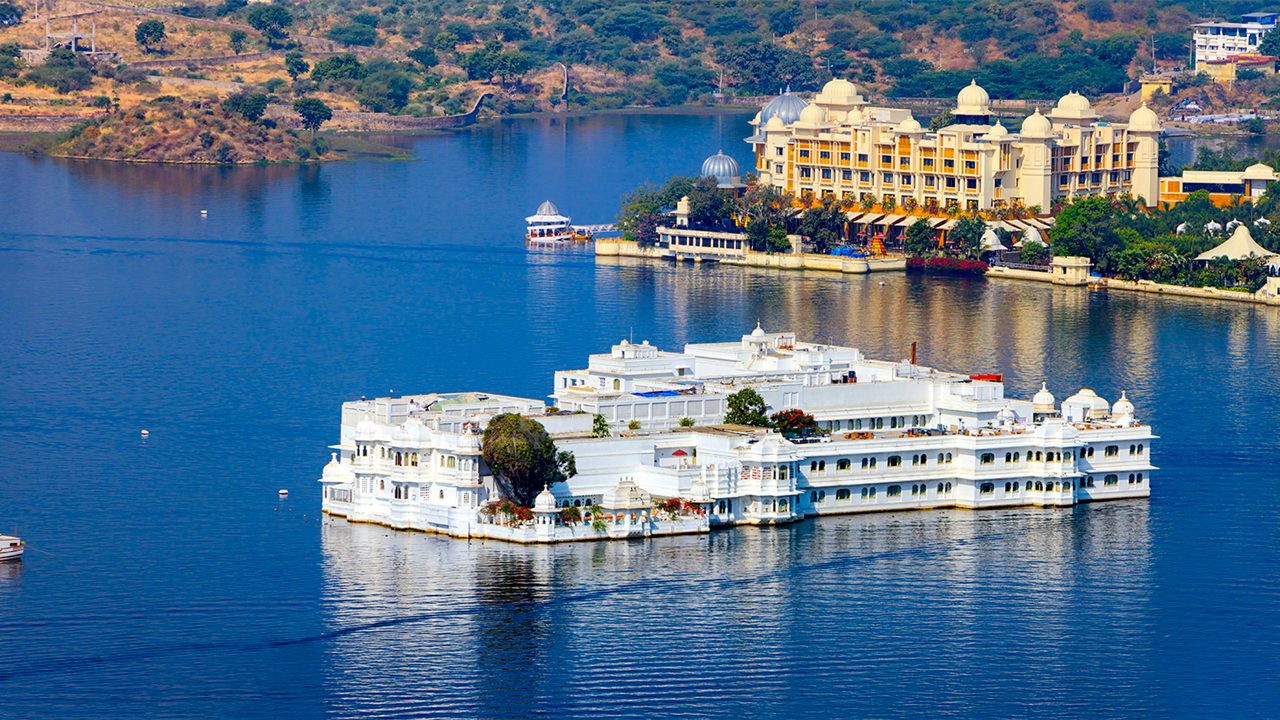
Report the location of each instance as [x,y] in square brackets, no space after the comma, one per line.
[841,146]
[1217,40]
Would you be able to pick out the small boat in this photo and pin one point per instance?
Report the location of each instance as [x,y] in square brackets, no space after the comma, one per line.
[547,225]
[11,548]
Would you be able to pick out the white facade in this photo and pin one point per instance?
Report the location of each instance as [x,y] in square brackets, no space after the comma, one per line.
[1219,40]
[897,436]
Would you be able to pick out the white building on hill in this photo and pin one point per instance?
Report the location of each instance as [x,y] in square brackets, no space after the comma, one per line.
[897,436]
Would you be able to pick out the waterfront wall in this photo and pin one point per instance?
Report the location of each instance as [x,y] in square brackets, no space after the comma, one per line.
[1262,297]
[612,247]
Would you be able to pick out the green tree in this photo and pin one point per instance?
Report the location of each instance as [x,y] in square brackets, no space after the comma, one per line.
[271,20]
[765,67]
[523,458]
[599,426]
[294,64]
[149,33]
[746,407]
[635,22]
[424,56]
[384,88]
[1033,253]
[708,206]
[353,34]
[64,71]
[338,67]
[919,239]
[966,236]
[1270,44]
[250,105]
[10,14]
[236,41]
[687,422]
[823,225]
[1088,227]
[313,113]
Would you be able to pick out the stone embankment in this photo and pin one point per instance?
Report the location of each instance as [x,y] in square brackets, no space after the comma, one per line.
[1268,295]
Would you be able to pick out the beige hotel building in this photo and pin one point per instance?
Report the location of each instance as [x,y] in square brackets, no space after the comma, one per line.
[840,146]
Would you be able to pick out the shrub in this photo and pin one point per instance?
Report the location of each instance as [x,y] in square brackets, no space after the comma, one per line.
[947,265]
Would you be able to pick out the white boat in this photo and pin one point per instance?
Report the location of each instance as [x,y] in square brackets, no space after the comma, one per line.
[11,548]
[548,225]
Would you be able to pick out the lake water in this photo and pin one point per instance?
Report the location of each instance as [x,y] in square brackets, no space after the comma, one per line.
[165,578]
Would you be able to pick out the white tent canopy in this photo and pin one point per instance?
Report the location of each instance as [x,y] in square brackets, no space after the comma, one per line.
[1239,246]
[991,242]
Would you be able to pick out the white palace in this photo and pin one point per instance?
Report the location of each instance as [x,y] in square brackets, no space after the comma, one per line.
[898,436]
[841,146]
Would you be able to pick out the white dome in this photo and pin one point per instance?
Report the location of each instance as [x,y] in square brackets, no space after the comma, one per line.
[1006,416]
[775,123]
[758,332]
[855,117]
[1036,125]
[1043,402]
[1074,102]
[336,472]
[1123,407]
[997,132]
[626,495]
[910,125]
[545,501]
[1097,407]
[813,115]
[698,490]
[365,429]
[973,100]
[1144,119]
[839,91]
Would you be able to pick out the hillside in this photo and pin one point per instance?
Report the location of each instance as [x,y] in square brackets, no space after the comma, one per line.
[427,58]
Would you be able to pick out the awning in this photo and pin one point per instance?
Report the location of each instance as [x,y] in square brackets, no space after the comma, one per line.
[891,220]
[870,219]
[949,224]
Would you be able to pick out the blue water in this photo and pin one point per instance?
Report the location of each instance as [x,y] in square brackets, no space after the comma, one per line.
[165,578]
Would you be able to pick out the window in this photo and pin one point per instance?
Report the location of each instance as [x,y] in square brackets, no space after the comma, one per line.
[895,461]
[1111,480]
[1139,478]
[1111,451]
[1015,487]
[843,494]
[1141,449]
[844,464]
[1087,481]
[1008,457]
[893,490]
[822,466]
[987,458]
[813,467]
[1008,487]
[804,153]
[987,488]
[1132,478]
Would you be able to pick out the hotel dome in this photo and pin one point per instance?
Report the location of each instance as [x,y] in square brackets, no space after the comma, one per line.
[909,125]
[724,169]
[972,101]
[545,501]
[786,107]
[1043,402]
[1073,106]
[1144,119]
[1123,406]
[1036,125]
[812,116]
[839,91]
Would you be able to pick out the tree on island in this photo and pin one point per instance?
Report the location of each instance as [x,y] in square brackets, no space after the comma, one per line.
[642,210]
[149,34]
[708,206]
[523,457]
[313,113]
[746,407]
[272,21]
[794,423]
[236,41]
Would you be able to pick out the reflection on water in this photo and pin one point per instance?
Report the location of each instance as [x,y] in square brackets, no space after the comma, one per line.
[687,623]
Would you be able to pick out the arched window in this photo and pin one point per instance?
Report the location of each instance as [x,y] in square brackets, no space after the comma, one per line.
[1139,478]
[1015,486]
[1008,487]
[1111,480]
[1039,485]
[1132,478]
[948,487]
[866,463]
[1133,449]
[895,460]
[948,460]
[397,460]
[1017,457]
[1090,452]
[843,464]
[864,493]
[941,458]
[1111,451]
[939,488]
[1141,449]
[822,466]
[987,458]
[617,384]
[894,490]
[1039,456]
[873,492]
[1008,457]
[987,488]
[843,494]
[813,466]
